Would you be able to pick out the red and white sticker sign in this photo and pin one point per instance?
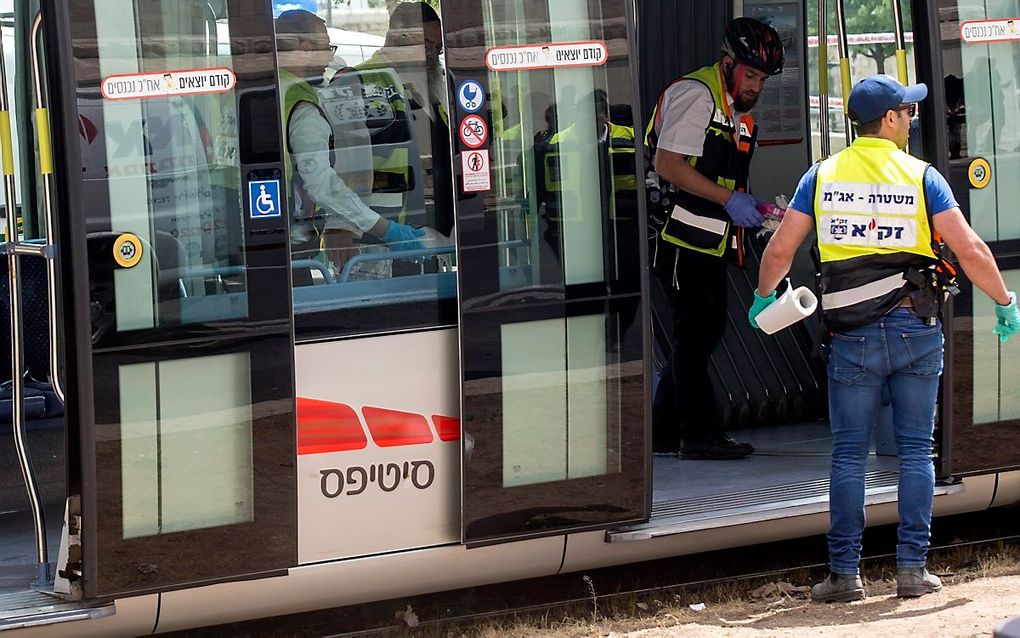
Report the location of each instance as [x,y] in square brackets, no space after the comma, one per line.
[138,86]
[474,132]
[547,56]
[983,31]
[475,166]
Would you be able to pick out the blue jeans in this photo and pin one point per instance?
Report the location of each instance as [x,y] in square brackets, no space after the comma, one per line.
[904,354]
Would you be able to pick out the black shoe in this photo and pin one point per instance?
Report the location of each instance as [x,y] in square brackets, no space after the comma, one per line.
[714,450]
[723,440]
[838,588]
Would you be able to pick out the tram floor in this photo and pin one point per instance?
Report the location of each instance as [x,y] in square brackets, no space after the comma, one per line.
[18,556]
[792,455]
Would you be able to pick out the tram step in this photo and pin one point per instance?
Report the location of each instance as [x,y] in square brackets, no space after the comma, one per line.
[753,506]
[20,610]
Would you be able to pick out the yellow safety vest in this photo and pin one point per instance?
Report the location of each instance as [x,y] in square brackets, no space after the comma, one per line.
[696,223]
[621,166]
[396,155]
[294,91]
[874,232]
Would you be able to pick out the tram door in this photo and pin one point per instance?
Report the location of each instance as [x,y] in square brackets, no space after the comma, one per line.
[549,265]
[980,60]
[176,289]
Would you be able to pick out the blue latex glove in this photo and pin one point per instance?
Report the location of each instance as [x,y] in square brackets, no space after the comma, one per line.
[743,210]
[760,303]
[1008,319]
[404,237]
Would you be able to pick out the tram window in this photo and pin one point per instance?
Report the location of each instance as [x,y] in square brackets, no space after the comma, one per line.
[368,166]
[163,167]
[872,50]
[7,29]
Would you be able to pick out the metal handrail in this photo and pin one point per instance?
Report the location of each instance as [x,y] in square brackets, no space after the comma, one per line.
[391,255]
[844,67]
[823,80]
[42,127]
[901,42]
[15,249]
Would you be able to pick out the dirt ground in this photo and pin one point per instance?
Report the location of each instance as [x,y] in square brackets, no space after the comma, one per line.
[981,589]
[972,608]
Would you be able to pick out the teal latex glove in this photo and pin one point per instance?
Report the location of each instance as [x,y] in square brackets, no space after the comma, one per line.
[1008,319]
[404,237]
[760,303]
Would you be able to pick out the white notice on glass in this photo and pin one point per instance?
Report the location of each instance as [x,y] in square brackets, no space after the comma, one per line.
[137,86]
[984,31]
[547,56]
[476,171]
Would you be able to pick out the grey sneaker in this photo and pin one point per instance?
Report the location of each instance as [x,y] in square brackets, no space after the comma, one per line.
[912,582]
[838,588]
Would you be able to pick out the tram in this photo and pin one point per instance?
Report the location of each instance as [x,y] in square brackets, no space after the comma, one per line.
[222,407]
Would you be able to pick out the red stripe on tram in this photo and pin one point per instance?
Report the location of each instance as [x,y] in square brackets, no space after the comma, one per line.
[390,428]
[448,427]
[324,426]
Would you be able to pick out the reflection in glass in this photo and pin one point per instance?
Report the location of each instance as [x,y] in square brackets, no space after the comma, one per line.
[368,162]
[167,165]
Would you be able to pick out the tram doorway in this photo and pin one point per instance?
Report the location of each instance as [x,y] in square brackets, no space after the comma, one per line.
[770,390]
[31,513]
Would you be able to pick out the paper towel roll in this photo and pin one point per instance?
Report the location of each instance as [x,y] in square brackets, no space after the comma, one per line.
[793,306]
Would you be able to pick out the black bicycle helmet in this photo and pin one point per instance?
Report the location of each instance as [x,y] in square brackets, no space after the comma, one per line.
[754,43]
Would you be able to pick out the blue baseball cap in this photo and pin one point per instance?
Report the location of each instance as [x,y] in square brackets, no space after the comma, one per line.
[876,94]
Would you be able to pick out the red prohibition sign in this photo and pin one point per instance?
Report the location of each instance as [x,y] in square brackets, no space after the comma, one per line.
[473,131]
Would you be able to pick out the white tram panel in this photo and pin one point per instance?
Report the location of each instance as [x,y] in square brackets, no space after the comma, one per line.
[379,498]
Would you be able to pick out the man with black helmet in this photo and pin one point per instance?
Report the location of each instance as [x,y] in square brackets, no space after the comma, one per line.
[702,136]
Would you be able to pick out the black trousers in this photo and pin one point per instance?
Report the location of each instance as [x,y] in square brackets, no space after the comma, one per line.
[684,406]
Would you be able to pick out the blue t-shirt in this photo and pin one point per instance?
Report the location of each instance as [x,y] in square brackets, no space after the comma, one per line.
[936,190]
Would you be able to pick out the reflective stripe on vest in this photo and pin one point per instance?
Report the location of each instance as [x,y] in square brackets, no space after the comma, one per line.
[873,230]
[724,161]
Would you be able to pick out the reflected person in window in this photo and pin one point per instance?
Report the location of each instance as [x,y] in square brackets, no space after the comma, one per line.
[614,146]
[329,217]
[406,103]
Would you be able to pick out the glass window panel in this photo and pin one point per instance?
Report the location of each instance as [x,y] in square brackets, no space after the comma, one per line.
[367,122]
[139,444]
[872,50]
[983,121]
[587,420]
[186,464]
[206,442]
[534,402]
[165,167]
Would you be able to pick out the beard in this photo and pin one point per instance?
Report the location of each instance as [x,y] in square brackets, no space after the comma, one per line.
[745,104]
[741,102]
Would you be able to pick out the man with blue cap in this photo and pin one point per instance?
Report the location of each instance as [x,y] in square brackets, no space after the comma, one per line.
[878,214]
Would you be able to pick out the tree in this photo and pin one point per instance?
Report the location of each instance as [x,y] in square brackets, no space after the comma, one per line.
[864,16]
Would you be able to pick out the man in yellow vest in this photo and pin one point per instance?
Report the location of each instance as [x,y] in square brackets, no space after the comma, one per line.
[702,136]
[328,216]
[878,213]
[406,100]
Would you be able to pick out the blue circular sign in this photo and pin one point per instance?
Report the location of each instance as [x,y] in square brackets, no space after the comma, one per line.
[470,96]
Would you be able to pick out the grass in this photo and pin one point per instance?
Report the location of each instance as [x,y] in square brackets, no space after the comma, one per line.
[603,615]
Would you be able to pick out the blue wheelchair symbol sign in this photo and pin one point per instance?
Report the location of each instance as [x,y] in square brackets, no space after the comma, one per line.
[265,198]
[471,96]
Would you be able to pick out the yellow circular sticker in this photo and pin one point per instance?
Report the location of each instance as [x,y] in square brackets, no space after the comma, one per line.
[980,173]
[127,250]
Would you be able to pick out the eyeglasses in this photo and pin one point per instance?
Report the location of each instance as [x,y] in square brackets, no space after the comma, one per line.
[334,47]
[911,109]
